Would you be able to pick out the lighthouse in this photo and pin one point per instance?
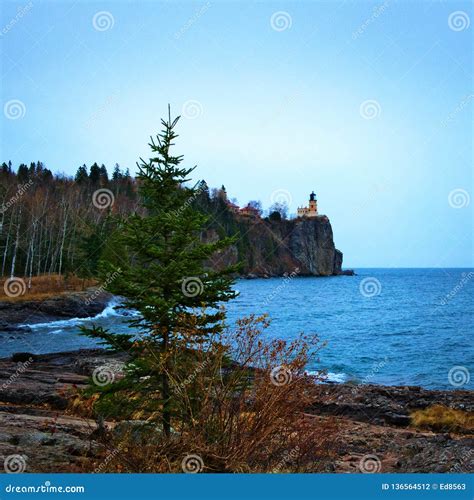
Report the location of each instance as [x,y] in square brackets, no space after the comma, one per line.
[311,210]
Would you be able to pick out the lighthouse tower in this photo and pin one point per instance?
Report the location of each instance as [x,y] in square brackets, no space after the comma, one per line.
[313,205]
[311,210]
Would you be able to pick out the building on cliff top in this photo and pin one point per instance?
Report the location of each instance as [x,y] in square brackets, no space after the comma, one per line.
[249,211]
[311,210]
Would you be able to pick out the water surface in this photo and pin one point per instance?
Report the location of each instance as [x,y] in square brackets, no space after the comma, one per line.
[387,326]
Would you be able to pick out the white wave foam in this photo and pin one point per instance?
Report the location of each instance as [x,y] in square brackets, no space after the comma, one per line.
[336,377]
[330,376]
[109,311]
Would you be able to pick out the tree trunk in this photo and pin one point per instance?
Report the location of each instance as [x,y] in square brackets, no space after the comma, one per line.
[62,240]
[17,243]
[166,391]
[5,253]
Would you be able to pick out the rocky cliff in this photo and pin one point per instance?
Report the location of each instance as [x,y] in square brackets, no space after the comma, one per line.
[273,248]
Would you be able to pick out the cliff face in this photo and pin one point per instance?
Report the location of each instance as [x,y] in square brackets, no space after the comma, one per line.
[311,243]
[273,248]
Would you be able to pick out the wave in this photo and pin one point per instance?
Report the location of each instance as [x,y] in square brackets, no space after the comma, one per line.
[109,311]
[338,378]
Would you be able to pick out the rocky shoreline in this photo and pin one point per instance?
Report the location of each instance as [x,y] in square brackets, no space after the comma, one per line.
[251,276]
[67,305]
[36,420]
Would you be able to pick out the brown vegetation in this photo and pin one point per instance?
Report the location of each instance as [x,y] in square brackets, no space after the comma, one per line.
[443,418]
[46,286]
[246,415]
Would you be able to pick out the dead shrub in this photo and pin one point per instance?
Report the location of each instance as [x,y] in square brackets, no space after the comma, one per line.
[238,406]
[443,418]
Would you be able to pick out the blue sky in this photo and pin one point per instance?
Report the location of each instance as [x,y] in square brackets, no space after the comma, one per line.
[368,103]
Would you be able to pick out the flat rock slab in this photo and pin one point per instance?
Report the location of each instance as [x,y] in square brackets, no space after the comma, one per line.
[384,404]
[49,379]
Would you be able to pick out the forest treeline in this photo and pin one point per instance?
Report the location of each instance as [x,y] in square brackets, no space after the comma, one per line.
[49,223]
[55,224]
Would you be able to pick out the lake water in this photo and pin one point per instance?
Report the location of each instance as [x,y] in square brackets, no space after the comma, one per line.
[386,326]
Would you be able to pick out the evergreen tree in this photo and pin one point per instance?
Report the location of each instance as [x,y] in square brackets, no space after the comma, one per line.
[23,173]
[46,175]
[165,277]
[81,175]
[129,184]
[94,174]
[5,169]
[104,176]
[92,247]
[275,216]
[117,173]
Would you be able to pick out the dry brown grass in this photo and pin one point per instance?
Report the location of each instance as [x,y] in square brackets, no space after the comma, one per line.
[46,286]
[443,418]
